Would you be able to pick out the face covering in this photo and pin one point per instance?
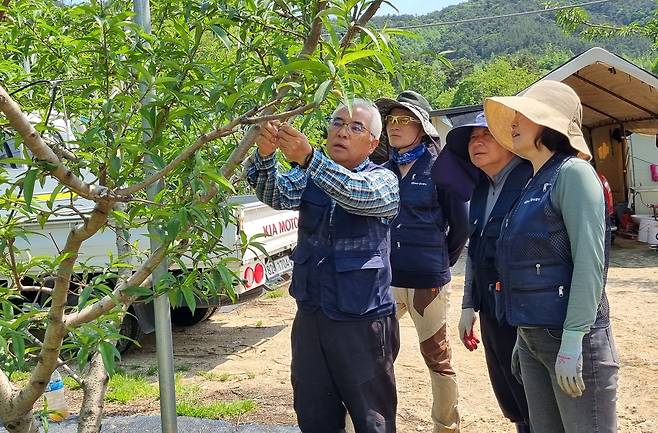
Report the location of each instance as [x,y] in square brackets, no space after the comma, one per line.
[408,157]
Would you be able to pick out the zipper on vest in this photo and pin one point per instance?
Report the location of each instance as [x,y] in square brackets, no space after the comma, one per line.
[398,244]
[560,291]
[538,267]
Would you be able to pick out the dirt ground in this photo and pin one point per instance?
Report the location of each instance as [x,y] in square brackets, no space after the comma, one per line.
[250,348]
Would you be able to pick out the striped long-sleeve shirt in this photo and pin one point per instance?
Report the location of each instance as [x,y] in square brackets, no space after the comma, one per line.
[369,193]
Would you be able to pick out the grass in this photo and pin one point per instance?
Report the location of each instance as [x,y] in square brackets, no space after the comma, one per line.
[278,293]
[217,377]
[259,324]
[152,371]
[20,376]
[216,410]
[183,367]
[124,388]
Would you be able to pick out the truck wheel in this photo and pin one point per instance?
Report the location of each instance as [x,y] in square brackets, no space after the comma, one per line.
[182,316]
[129,328]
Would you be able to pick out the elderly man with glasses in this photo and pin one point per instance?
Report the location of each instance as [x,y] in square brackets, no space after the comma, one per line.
[345,336]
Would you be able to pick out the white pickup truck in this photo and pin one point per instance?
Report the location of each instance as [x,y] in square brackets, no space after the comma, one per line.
[256,270]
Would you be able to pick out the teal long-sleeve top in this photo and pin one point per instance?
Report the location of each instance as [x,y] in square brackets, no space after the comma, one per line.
[578,196]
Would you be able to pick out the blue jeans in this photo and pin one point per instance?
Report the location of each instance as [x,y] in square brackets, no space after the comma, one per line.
[553,411]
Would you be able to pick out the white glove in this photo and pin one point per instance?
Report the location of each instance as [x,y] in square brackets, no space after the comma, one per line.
[467,334]
[569,363]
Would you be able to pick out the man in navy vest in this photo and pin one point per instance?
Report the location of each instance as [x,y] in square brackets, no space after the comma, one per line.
[503,177]
[345,336]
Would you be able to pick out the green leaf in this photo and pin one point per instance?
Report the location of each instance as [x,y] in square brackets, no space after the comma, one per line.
[53,196]
[138,291]
[220,180]
[190,299]
[108,352]
[221,34]
[115,167]
[369,32]
[28,187]
[321,92]
[18,346]
[356,55]
[306,65]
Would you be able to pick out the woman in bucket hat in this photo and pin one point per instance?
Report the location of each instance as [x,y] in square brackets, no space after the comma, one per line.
[502,176]
[552,259]
[427,237]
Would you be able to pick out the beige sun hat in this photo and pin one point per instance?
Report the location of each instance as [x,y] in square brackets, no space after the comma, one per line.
[548,103]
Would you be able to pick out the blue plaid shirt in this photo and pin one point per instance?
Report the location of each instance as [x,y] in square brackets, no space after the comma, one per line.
[374,193]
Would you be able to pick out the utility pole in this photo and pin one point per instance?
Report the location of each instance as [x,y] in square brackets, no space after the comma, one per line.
[163,338]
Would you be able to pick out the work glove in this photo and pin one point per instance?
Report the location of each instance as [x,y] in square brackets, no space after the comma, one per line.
[515,364]
[466,332]
[569,363]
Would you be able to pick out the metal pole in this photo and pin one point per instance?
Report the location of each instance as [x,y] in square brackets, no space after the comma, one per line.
[164,343]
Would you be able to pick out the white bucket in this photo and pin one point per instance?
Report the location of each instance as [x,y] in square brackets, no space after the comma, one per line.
[652,232]
[643,229]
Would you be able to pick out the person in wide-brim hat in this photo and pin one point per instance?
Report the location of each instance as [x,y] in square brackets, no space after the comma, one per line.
[551,104]
[414,102]
[427,237]
[552,256]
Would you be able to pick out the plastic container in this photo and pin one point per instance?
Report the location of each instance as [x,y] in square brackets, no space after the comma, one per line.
[652,232]
[58,410]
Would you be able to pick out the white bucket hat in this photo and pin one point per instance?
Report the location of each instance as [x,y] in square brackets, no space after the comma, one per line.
[548,103]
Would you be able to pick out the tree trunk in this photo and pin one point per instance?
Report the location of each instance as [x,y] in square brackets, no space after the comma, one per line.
[94,387]
[22,424]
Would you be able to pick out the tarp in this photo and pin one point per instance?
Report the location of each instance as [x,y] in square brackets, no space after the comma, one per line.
[612,90]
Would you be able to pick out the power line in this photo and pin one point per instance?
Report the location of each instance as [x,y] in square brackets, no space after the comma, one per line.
[494,17]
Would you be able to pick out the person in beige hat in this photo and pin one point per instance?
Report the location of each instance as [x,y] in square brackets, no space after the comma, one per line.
[427,236]
[552,259]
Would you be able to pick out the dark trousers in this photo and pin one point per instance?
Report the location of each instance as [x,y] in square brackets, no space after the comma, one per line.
[344,365]
[498,340]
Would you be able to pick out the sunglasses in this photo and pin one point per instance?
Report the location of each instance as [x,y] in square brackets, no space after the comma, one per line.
[400,120]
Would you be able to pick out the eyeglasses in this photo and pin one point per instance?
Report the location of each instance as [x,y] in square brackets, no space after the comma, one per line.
[356,128]
[401,120]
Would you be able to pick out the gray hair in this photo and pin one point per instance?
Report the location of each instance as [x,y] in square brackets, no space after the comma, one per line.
[375,118]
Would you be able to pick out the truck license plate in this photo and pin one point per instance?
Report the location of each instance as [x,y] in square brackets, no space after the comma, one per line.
[278,267]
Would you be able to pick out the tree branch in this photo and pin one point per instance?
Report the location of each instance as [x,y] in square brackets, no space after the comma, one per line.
[5,3]
[56,328]
[237,156]
[362,21]
[43,153]
[12,263]
[139,278]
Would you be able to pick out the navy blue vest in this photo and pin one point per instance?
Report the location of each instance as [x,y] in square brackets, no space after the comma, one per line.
[534,257]
[419,254]
[341,261]
[484,234]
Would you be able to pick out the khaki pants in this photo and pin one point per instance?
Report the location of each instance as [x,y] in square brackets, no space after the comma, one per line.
[428,309]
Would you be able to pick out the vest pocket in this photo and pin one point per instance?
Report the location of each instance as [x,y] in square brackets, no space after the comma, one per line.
[538,294]
[300,272]
[358,283]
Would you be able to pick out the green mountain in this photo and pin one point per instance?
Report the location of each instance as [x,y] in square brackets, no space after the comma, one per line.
[504,55]
[531,34]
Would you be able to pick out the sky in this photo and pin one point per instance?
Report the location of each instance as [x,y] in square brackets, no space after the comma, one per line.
[416,7]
